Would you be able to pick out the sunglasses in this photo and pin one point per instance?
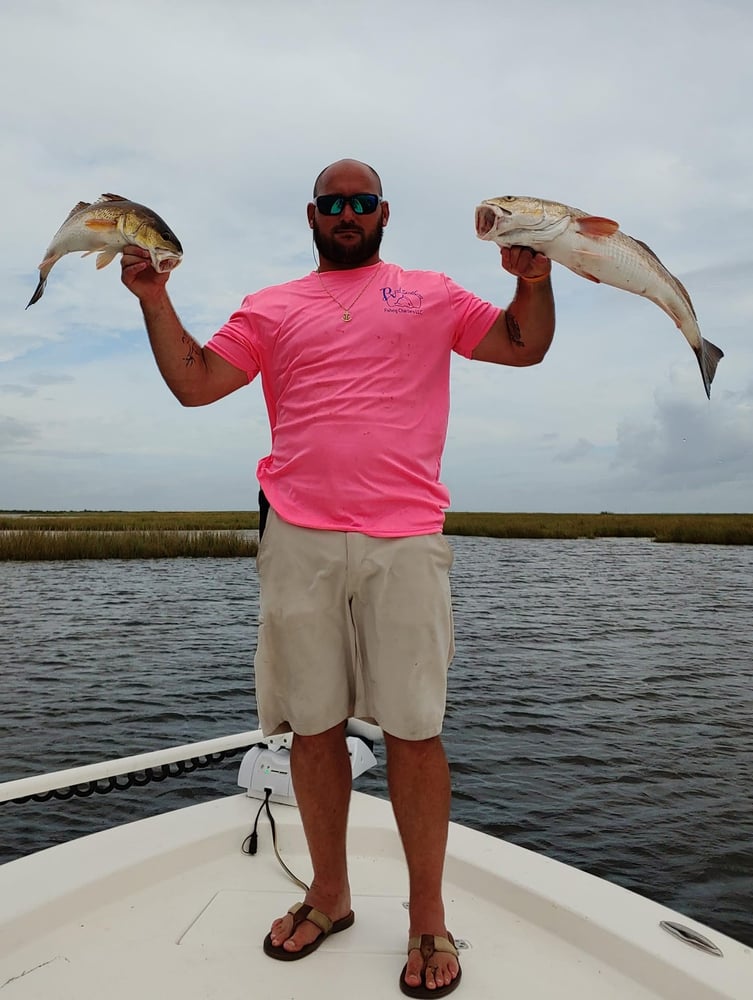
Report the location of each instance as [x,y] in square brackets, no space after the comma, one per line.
[333,204]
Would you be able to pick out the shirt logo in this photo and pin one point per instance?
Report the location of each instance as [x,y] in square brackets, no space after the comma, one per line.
[401,300]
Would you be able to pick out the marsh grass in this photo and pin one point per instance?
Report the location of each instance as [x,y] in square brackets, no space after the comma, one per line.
[124,520]
[37,544]
[222,534]
[709,529]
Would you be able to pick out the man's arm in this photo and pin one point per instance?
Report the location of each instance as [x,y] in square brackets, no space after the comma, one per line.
[195,375]
[522,333]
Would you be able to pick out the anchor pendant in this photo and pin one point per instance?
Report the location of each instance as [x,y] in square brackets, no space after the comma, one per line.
[346,316]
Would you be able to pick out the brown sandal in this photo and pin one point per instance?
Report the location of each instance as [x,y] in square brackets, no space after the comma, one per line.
[301,912]
[427,944]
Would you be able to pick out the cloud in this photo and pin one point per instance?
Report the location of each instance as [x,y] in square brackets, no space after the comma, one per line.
[14,433]
[17,390]
[219,117]
[689,447]
[44,378]
[576,451]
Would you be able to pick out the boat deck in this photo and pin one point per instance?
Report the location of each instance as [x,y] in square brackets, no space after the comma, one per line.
[170,907]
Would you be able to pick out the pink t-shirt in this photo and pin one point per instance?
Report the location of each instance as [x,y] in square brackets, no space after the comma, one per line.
[358,410]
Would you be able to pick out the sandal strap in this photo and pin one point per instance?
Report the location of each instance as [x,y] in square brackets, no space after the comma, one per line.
[427,944]
[302,911]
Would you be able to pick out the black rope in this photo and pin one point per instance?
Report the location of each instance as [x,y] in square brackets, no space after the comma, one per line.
[133,779]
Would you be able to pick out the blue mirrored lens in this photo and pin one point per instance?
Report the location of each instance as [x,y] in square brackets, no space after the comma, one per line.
[364,203]
[333,204]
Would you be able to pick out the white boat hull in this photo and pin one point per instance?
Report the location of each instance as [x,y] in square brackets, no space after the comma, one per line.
[169,907]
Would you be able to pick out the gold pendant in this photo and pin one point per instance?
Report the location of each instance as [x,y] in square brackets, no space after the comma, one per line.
[346,316]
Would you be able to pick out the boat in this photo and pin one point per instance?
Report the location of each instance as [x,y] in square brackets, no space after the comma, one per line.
[177,905]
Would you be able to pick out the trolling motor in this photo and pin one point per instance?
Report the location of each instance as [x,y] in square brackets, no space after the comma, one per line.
[265,769]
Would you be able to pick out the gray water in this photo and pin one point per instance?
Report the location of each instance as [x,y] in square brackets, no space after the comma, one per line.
[600,706]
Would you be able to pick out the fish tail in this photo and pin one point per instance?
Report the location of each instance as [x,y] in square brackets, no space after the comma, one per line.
[44,269]
[709,356]
[39,291]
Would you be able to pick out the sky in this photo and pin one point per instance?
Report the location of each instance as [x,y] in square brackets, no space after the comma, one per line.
[219,115]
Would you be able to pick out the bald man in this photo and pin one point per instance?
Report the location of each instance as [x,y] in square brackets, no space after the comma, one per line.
[355,608]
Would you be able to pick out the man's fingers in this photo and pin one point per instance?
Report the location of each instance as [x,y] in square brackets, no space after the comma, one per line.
[131,270]
[137,263]
[135,251]
[523,261]
[134,257]
[518,256]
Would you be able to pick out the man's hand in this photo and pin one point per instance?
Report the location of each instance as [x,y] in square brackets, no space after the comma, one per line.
[522,333]
[138,275]
[525,263]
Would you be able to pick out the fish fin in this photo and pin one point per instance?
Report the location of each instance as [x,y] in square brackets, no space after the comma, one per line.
[99,249]
[76,209]
[579,266]
[88,253]
[111,197]
[685,292]
[105,257]
[646,247]
[103,225]
[677,314]
[709,356]
[596,225]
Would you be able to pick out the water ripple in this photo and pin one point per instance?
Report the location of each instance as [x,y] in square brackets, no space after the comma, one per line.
[600,703]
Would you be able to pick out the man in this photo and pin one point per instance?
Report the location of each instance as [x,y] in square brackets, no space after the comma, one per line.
[355,614]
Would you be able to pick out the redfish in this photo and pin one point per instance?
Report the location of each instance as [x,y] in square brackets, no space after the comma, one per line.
[596,248]
[105,227]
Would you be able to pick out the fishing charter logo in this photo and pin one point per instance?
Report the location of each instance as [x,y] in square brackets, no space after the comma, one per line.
[401,300]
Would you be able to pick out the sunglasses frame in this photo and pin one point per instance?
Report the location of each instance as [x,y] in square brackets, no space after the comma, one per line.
[347,199]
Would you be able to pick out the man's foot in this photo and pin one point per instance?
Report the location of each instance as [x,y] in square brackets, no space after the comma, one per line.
[432,969]
[301,931]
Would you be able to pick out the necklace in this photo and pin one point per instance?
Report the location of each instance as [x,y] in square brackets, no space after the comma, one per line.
[346,309]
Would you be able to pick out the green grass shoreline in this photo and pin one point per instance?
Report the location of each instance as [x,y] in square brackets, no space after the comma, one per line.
[67,535]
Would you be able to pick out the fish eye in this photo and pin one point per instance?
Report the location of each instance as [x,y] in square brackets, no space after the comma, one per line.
[167,235]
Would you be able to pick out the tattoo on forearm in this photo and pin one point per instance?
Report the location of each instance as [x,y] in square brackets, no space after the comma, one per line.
[192,350]
[513,330]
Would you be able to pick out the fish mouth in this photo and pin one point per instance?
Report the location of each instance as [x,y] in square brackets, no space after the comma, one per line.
[167,264]
[486,219]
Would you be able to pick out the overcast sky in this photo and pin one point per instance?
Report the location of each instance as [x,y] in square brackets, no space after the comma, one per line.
[218,115]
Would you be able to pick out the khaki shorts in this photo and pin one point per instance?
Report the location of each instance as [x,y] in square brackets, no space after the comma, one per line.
[352,626]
